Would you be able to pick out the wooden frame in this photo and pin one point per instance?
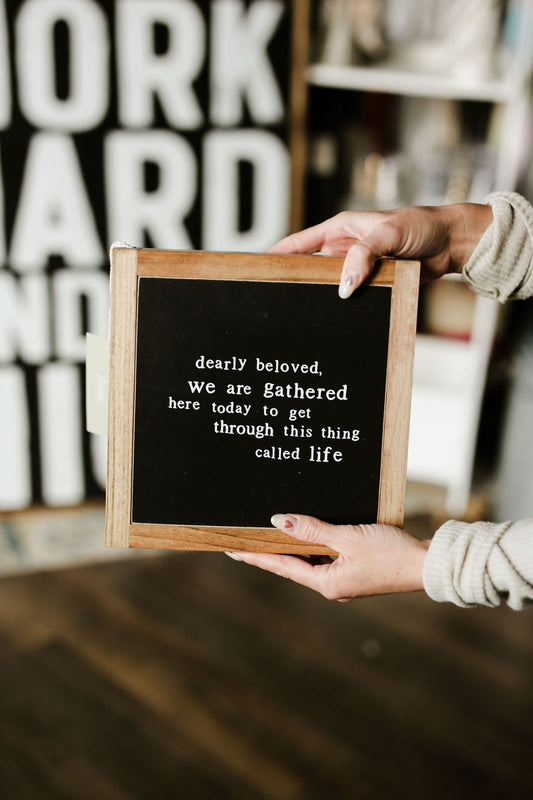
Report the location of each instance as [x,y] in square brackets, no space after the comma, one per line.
[128,265]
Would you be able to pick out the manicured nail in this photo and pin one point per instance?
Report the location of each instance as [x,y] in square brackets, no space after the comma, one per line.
[234,556]
[285,522]
[348,284]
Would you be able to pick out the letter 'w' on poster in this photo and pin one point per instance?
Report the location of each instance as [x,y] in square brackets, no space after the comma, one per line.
[242,385]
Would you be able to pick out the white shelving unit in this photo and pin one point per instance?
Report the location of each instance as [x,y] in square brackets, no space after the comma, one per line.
[448,386]
[398,80]
[510,91]
[450,375]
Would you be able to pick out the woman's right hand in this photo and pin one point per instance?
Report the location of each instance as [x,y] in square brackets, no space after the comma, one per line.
[442,238]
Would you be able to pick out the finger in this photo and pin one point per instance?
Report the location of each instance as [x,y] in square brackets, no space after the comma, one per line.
[310,529]
[286,567]
[361,258]
[309,240]
[358,265]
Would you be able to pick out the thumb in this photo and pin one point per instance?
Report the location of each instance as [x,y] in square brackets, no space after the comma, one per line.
[310,529]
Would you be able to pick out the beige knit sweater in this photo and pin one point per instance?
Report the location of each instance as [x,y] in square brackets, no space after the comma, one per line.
[486,563]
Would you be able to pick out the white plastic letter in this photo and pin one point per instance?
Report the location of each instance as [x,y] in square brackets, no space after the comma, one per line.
[60,426]
[2,221]
[5,83]
[69,288]
[240,66]
[88,65]
[144,74]
[221,196]
[24,318]
[15,464]
[132,209]
[54,216]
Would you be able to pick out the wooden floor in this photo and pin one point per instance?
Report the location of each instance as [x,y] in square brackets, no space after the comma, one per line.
[192,676]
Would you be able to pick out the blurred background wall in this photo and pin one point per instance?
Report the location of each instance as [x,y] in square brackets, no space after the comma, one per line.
[160,123]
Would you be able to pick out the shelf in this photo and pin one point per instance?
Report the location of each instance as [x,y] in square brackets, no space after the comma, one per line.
[392,80]
[449,374]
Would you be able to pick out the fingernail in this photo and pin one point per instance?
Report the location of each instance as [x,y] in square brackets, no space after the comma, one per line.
[285,522]
[234,556]
[348,284]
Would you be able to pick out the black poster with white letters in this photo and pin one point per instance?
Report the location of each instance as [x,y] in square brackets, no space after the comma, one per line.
[254,398]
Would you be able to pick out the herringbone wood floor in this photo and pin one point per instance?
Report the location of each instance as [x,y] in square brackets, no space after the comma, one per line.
[192,676]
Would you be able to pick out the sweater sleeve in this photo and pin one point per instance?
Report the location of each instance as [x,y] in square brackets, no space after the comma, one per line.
[501,266]
[488,563]
[482,563]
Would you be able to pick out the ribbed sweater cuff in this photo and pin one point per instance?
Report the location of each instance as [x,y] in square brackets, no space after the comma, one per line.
[456,565]
[501,266]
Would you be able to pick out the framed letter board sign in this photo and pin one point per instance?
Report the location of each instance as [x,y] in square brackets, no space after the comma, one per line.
[242,386]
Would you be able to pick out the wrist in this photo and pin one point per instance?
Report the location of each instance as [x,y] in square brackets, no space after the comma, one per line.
[467,222]
[417,564]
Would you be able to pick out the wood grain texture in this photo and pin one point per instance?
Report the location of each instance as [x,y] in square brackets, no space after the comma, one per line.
[398,393]
[252,267]
[122,341]
[182,537]
[192,676]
